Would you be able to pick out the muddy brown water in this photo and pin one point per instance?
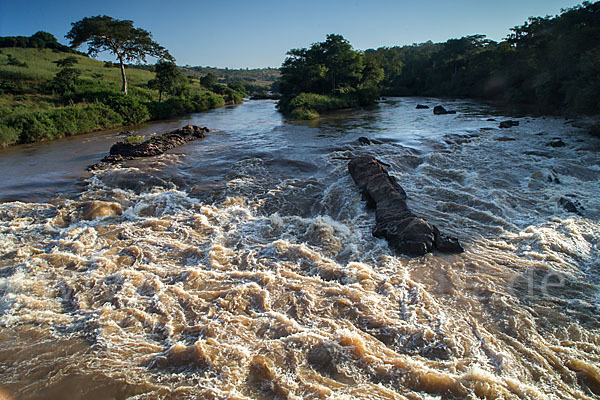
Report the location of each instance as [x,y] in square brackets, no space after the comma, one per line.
[242,266]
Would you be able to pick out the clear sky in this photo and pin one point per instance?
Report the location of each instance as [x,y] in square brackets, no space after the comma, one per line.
[256,33]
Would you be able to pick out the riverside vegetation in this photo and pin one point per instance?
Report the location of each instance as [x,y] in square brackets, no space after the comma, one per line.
[48,91]
[548,65]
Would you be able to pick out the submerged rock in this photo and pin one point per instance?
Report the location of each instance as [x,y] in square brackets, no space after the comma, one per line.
[363,141]
[404,231]
[122,151]
[422,106]
[439,110]
[91,210]
[572,206]
[556,143]
[508,124]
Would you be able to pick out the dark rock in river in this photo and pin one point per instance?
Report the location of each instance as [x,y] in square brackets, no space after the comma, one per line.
[422,106]
[556,143]
[505,139]
[508,124]
[159,144]
[439,110]
[404,231]
[122,151]
[363,141]
[572,206]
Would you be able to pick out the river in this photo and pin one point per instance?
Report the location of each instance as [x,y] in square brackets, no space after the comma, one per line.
[242,265]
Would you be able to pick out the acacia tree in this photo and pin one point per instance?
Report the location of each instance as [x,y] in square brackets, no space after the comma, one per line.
[104,33]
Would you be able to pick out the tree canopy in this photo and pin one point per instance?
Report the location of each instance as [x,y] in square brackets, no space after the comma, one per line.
[549,64]
[120,37]
[330,68]
[167,80]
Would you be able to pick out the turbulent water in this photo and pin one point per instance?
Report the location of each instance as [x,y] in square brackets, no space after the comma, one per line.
[242,266]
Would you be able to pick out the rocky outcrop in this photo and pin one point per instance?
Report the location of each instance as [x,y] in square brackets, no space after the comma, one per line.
[508,124]
[363,141]
[439,110]
[123,151]
[572,206]
[404,231]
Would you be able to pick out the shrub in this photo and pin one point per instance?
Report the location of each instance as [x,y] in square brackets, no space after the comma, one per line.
[67,121]
[34,127]
[309,105]
[8,135]
[303,113]
[134,139]
[175,106]
[129,108]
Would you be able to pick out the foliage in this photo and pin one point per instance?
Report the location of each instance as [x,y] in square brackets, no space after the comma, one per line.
[134,139]
[129,108]
[548,64]
[333,72]
[11,60]
[67,61]
[93,103]
[208,80]
[65,81]
[39,40]
[178,106]
[119,37]
[57,123]
[168,79]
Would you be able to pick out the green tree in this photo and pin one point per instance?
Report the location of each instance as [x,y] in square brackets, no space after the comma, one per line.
[167,80]
[208,80]
[103,33]
[65,81]
[67,61]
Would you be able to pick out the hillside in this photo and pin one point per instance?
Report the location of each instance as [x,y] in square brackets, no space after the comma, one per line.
[22,86]
[35,105]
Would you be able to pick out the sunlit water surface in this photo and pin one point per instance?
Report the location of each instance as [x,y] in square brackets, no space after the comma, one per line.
[242,266]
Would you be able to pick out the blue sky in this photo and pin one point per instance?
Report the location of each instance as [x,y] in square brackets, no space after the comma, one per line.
[254,34]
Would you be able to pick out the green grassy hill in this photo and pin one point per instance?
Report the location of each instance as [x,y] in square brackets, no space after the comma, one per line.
[22,87]
[31,110]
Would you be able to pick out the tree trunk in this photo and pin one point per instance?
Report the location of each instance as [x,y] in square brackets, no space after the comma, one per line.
[123,75]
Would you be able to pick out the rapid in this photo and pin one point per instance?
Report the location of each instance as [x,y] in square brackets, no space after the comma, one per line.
[242,265]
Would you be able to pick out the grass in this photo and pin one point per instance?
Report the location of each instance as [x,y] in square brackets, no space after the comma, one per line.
[134,139]
[29,112]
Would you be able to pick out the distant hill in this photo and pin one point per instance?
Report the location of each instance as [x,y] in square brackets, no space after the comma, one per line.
[261,76]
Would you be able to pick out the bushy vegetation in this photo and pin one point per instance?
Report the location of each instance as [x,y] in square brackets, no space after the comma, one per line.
[548,64]
[39,40]
[328,75]
[57,123]
[52,94]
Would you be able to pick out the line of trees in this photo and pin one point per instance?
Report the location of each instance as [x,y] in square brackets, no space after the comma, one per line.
[547,65]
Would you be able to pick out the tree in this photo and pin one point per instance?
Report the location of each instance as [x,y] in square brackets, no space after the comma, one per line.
[67,61]
[167,78]
[67,78]
[208,80]
[103,33]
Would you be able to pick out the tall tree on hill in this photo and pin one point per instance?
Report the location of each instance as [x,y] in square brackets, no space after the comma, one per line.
[103,33]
